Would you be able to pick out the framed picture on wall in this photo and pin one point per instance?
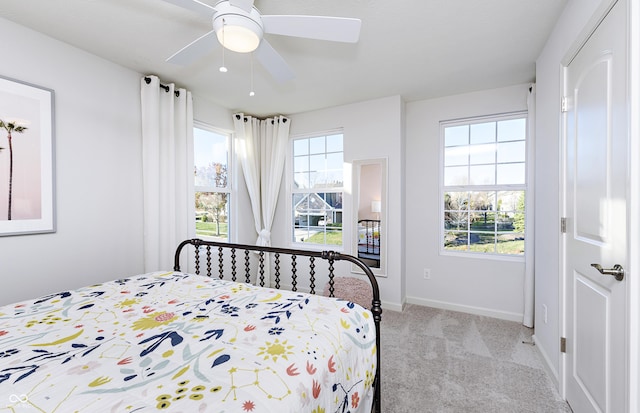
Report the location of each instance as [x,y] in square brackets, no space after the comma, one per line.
[27,198]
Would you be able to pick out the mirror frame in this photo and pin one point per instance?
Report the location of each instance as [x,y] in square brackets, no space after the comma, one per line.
[357,166]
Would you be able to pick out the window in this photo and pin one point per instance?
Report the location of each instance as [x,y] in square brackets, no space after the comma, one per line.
[212,183]
[317,189]
[484,185]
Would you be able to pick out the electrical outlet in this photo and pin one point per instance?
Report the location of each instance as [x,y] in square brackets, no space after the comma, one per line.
[427,274]
[544,313]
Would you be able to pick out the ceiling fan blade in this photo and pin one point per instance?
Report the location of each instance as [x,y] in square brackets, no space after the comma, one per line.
[195,50]
[194,5]
[273,62]
[336,29]
[245,5]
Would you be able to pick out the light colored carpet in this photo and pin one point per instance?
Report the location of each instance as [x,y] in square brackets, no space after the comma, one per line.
[356,290]
[444,361]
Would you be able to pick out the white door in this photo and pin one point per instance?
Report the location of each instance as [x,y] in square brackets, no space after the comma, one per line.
[596,212]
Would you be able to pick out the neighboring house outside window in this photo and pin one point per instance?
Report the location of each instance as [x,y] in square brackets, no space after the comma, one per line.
[317,189]
[484,185]
[212,182]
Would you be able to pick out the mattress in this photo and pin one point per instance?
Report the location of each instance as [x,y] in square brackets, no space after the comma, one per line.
[186,343]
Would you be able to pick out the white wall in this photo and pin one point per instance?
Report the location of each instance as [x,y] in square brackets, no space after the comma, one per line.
[211,113]
[98,170]
[548,179]
[481,286]
[372,129]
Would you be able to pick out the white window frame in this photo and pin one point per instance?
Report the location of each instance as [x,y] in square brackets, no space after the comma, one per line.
[292,190]
[483,188]
[230,189]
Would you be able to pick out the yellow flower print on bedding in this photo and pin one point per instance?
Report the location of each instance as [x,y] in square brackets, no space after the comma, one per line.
[49,319]
[100,381]
[239,287]
[154,320]
[275,350]
[127,303]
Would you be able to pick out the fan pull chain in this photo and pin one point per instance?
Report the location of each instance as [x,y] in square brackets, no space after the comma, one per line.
[223,68]
[251,92]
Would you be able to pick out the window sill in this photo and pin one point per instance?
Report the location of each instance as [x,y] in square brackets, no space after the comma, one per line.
[484,256]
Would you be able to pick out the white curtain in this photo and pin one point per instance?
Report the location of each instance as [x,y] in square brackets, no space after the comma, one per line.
[273,150]
[248,152]
[529,277]
[262,148]
[167,162]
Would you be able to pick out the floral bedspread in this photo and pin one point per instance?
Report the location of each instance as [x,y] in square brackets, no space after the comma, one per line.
[185,343]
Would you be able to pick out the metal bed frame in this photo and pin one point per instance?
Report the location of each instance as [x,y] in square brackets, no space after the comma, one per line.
[371,250]
[208,262]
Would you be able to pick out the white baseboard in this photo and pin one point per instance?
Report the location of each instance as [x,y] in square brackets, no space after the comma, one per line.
[548,366]
[386,305]
[503,315]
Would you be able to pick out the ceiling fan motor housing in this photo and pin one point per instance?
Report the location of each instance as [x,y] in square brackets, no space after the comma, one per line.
[236,29]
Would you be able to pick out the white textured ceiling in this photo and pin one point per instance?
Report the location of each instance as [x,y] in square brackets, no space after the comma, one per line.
[418,49]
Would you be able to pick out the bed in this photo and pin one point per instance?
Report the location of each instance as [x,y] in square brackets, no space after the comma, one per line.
[199,341]
[369,240]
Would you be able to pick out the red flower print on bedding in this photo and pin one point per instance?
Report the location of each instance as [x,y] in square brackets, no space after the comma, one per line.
[292,370]
[311,369]
[332,365]
[161,318]
[125,361]
[316,389]
[355,400]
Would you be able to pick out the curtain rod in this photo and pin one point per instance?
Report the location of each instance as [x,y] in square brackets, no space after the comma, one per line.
[246,119]
[165,87]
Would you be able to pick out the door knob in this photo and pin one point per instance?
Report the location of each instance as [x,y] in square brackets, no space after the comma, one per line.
[617,271]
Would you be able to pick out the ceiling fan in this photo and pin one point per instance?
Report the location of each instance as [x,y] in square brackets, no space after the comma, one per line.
[239,26]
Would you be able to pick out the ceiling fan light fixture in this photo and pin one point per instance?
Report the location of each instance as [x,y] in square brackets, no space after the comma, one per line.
[238,33]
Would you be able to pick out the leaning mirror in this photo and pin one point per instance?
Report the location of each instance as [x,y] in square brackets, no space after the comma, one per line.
[370,206]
